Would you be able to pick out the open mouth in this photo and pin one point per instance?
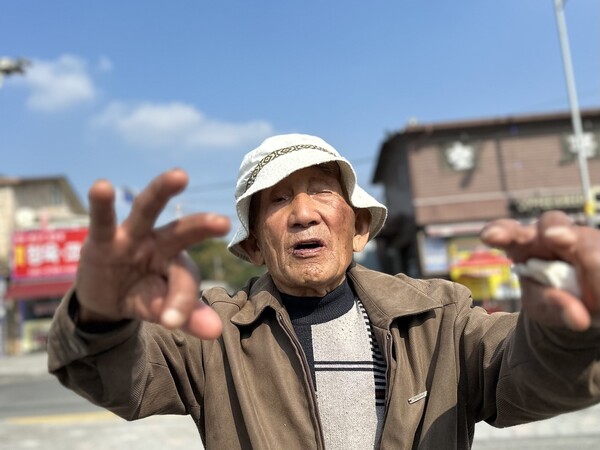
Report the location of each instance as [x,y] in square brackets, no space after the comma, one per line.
[308,247]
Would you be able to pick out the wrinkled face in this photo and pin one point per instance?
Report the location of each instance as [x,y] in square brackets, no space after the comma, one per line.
[305,231]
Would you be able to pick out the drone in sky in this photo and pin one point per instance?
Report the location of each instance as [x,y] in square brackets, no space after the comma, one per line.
[9,66]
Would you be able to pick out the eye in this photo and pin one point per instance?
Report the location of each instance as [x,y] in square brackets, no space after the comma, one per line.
[322,187]
[322,192]
[279,198]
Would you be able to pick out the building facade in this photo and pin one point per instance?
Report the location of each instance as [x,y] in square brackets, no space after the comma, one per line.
[42,226]
[444,181]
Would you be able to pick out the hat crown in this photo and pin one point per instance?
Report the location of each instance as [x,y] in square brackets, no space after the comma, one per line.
[272,148]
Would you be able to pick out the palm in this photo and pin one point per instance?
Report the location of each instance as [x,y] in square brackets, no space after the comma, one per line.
[129,283]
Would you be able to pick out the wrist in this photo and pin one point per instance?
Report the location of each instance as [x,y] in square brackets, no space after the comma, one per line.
[82,315]
[88,321]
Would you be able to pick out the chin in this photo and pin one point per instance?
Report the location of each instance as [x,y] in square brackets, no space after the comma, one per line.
[326,282]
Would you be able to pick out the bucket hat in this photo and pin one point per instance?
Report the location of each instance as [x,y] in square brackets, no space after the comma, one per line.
[277,158]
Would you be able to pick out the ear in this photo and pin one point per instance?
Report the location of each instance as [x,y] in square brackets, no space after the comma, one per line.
[252,249]
[361,229]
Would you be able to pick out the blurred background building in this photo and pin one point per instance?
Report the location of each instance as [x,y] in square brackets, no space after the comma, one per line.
[42,227]
[444,181]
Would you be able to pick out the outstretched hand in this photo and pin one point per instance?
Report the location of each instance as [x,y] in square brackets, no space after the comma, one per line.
[138,270]
[553,237]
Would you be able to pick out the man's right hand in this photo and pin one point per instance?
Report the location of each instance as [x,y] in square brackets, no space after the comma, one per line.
[139,271]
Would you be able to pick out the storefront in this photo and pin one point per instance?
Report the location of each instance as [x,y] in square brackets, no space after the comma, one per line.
[466,260]
[488,274]
[43,267]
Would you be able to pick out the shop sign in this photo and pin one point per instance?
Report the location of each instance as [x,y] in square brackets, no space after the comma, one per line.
[46,253]
[535,204]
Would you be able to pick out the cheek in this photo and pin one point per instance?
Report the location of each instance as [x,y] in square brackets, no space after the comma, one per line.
[271,240]
[346,225]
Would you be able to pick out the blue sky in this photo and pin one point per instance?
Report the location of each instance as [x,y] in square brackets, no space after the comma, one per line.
[125,90]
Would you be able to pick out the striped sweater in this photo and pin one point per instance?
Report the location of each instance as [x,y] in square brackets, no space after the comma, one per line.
[347,367]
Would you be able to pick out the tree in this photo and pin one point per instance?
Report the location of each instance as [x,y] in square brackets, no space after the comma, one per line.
[215,262]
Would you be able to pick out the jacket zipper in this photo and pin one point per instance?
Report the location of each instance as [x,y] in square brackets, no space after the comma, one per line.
[388,384]
[307,379]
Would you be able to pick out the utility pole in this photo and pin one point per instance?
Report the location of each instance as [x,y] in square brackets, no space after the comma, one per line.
[575,114]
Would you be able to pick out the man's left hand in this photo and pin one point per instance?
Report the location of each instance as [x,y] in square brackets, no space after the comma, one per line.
[553,237]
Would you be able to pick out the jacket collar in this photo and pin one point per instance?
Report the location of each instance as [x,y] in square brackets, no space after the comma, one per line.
[384,296]
[388,297]
[262,294]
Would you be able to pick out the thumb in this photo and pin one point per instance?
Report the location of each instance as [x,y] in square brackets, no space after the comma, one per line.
[204,322]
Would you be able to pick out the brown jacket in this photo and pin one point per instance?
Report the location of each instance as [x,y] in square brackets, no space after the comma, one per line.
[449,366]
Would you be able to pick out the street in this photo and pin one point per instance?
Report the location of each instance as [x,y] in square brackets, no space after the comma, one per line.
[27,396]
[36,412]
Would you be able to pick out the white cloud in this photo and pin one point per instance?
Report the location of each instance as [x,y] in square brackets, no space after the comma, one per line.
[177,125]
[59,84]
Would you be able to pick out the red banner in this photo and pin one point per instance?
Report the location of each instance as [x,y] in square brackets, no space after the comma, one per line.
[46,253]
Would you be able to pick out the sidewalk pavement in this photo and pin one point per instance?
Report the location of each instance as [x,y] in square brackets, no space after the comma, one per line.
[28,364]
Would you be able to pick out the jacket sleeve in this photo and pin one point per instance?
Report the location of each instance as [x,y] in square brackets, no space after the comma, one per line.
[514,370]
[136,370]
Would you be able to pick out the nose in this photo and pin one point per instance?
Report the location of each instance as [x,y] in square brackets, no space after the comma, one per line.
[303,211]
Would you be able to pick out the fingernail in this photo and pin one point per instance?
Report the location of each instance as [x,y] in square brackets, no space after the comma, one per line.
[560,233]
[492,233]
[172,318]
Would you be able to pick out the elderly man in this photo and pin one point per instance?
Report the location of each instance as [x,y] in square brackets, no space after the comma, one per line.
[319,352]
